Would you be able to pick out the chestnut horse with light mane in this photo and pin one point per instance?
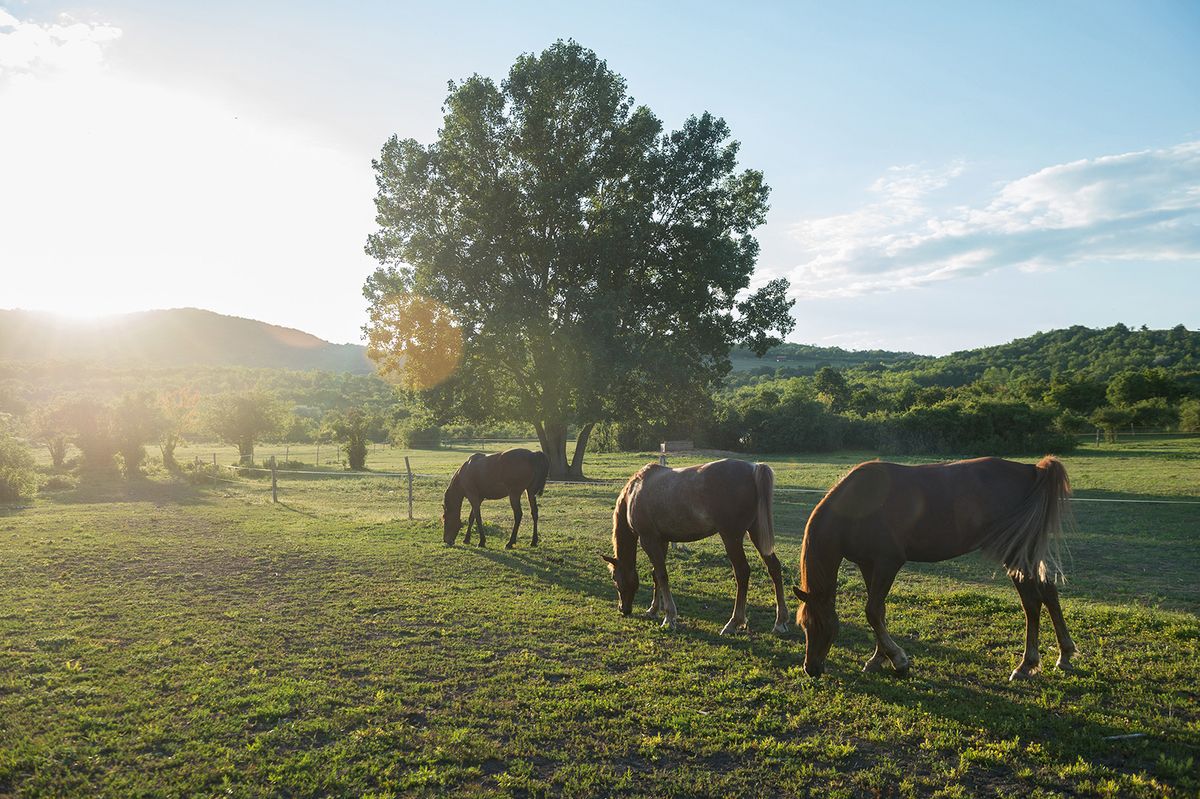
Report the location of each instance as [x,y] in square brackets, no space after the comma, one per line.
[660,506]
[881,515]
[501,474]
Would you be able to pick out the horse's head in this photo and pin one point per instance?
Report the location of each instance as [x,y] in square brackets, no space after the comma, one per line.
[625,576]
[451,524]
[818,616]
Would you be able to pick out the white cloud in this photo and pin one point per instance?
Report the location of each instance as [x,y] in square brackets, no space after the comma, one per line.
[1142,206]
[66,44]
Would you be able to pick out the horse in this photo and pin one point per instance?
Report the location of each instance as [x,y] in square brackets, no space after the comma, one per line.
[659,506]
[881,515]
[495,476]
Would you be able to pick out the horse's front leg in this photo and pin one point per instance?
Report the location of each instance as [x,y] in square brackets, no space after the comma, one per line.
[657,551]
[470,524]
[741,576]
[479,521]
[656,602]
[1031,601]
[515,501]
[879,583]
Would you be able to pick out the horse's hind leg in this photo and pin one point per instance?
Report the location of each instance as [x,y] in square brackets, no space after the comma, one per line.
[880,576]
[1066,646]
[533,510]
[515,501]
[776,571]
[741,575]
[1031,601]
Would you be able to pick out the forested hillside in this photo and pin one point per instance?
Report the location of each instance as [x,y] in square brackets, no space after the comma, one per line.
[1032,394]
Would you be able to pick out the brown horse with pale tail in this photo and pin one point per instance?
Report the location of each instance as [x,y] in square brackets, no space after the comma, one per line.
[660,506]
[881,515]
[501,474]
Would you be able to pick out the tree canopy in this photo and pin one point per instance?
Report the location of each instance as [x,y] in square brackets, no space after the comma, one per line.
[556,257]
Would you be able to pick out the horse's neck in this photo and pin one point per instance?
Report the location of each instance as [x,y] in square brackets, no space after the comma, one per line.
[820,557]
[625,547]
[454,497]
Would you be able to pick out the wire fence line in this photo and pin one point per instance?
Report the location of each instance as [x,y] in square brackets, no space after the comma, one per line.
[420,495]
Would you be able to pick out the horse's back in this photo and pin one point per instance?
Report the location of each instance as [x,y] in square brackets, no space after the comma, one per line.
[693,502]
[501,474]
[928,512]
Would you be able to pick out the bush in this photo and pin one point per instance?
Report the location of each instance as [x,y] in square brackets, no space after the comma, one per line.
[414,433]
[18,480]
[1189,416]
[1072,423]
[976,427]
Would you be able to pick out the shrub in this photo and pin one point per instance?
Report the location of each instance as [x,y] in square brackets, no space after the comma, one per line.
[413,433]
[18,480]
[1189,416]
[975,427]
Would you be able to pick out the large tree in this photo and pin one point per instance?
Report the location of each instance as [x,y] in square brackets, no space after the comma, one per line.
[555,257]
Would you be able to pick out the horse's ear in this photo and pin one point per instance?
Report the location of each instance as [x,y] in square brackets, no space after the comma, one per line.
[801,595]
[610,560]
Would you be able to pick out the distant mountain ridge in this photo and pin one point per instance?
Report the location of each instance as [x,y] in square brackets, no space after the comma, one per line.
[172,338]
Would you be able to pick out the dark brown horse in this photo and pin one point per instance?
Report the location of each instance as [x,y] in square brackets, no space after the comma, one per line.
[659,506]
[495,476]
[881,515]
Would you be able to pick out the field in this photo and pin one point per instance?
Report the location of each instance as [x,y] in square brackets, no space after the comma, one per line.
[188,638]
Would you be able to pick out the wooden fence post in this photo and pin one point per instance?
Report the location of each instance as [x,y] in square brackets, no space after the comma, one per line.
[274,484]
[408,468]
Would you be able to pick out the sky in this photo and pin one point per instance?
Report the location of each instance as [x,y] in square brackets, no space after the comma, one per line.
[944,175]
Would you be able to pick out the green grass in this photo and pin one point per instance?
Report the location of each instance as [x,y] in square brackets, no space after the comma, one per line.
[171,638]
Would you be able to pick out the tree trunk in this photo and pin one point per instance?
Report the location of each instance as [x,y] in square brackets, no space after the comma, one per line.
[553,438]
[554,444]
[581,442]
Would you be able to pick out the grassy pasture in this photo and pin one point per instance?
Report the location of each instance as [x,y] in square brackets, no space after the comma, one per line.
[169,638]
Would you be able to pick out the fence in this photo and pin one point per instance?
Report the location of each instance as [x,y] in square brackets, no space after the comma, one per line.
[389,496]
[417,494]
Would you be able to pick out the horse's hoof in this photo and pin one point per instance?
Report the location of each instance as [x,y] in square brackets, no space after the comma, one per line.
[873,666]
[670,624]
[509,545]
[651,613]
[533,543]
[780,629]
[902,667]
[1064,665]
[1024,672]
[730,628]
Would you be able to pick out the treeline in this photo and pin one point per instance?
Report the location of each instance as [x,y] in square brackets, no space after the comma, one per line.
[1034,394]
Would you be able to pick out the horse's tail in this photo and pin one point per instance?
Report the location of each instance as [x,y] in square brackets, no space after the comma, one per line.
[1028,541]
[541,468]
[764,521]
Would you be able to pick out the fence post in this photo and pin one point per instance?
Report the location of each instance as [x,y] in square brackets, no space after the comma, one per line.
[408,468]
[662,454]
[274,484]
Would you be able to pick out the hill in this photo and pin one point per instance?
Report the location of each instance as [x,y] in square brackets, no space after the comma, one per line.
[1077,351]
[791,360]
[178,337]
